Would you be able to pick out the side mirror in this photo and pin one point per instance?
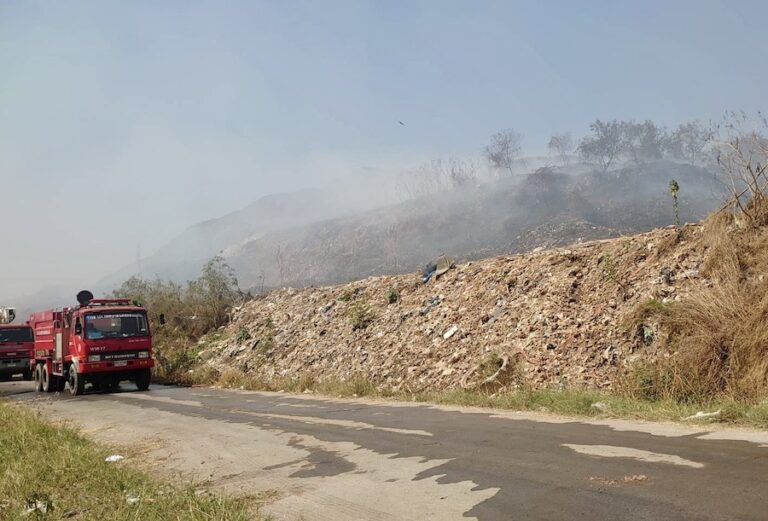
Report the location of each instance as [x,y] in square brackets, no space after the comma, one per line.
[78,328]
[162,318]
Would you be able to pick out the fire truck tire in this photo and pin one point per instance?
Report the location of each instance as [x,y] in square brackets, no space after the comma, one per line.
[38,375]
[76,382]
[47,381]
[142,379]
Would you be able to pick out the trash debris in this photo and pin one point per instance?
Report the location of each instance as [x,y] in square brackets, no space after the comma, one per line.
[646,333]
[429,270]
[600,406]
[452,331]
[556,308]
[625,480]
[35,504]
[443,265]
[701,415]
[132,499]
[667,275]
[429,304]
[468,382]
[114,458]
[437,268]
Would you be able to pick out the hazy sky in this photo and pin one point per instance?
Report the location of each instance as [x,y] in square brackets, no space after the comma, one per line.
[123,122]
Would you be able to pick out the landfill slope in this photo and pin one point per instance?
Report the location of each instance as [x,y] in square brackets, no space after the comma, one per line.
[561,317]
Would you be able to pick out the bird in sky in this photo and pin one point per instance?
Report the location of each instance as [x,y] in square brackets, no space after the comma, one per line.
[403,124]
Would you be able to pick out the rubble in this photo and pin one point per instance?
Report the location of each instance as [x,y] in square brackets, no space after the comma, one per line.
[701,415]
[559,315]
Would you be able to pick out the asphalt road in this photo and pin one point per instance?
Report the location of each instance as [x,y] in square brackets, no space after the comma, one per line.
[348,459]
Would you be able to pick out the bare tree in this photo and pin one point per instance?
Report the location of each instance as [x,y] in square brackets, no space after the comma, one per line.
[743,157]
[689,141]
[504,148]
[391,245]
[605,144]
[561,145]
[459,172]
[282,264]
[642,141]
[435,176]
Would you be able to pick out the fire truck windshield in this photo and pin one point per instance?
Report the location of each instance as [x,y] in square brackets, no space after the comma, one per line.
[115,325]
[16,334]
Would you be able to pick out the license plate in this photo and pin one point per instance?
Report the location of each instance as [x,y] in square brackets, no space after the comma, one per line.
[121,363]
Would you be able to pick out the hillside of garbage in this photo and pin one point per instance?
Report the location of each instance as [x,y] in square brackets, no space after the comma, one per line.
[555,317]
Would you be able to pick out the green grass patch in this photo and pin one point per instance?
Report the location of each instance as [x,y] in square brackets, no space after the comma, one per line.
[566,402]
[606,405]
[65,474]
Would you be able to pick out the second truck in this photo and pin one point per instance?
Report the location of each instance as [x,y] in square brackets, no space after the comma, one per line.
[16,346]
[101,342]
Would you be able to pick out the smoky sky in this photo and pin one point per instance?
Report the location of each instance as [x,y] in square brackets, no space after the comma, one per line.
[122,123]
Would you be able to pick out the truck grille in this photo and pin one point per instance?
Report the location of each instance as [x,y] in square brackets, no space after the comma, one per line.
[118,355]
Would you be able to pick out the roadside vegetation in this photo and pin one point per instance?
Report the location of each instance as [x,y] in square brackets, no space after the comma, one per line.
[716,340]
[568,402]
[52,472]
[188,311]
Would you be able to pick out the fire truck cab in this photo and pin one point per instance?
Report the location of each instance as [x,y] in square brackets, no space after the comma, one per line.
[16,346]
[101,342]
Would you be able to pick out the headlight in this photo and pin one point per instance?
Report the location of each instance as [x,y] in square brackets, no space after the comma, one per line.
[94,358]
[143,354]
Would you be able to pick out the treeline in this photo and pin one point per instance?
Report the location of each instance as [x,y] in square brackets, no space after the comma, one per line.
[606,144]
[609,142]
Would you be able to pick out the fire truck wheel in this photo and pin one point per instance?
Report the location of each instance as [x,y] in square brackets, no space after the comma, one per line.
[76,382]
[27,374]
[48,384]
[38,378]
[142,379]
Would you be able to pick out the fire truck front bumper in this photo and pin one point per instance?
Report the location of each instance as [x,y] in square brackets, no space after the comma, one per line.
[13,365]
[116,365]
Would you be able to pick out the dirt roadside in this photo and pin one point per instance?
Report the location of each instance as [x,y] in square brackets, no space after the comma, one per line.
[322,459]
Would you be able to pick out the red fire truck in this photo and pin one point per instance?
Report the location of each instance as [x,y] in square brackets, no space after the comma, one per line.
[16,346]
[101,342]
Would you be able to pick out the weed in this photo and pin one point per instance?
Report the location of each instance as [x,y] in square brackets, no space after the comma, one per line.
[360,315]
[610,272]
[674,189]
[243,335]
[489,365]
[392,296]
[637,320]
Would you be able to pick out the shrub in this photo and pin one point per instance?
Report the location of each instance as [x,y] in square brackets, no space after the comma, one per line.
[242,335]
[191,311]
[392,296]
[360,315]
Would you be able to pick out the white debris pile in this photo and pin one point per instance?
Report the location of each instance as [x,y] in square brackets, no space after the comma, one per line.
[562,314]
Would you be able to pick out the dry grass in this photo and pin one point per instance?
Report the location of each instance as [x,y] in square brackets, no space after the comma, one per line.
[717,339]
[511,396]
